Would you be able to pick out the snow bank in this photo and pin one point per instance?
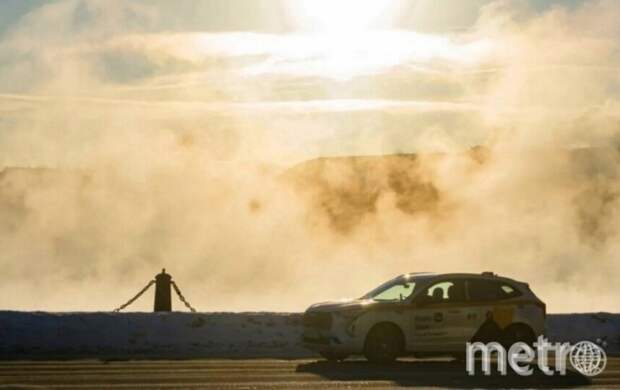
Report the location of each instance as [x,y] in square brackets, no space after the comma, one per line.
[223,335]
[597,327]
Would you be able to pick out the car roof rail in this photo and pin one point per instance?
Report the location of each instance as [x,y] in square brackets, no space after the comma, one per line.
[488,273]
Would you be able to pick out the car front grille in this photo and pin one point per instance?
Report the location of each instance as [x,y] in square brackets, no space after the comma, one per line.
[318,320]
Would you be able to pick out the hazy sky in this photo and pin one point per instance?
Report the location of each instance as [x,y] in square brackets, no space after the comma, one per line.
[266,15]
[172,123]
[319,77]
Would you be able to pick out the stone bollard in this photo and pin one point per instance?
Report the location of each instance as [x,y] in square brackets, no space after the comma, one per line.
[162,292]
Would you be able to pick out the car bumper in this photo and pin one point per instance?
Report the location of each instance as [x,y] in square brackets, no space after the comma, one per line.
[328,344]
[333,340]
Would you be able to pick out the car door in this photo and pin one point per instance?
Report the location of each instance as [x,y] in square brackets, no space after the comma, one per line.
[439,317]
[489,310]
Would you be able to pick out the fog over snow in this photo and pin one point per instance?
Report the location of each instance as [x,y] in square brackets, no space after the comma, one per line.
[140,135]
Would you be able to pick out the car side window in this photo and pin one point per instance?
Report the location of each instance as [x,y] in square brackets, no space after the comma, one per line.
[490,290]
[447,291]
[397,292]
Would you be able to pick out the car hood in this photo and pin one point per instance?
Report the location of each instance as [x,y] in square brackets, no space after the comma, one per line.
[341,305]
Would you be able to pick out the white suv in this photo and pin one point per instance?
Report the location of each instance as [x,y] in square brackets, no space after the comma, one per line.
[425,314]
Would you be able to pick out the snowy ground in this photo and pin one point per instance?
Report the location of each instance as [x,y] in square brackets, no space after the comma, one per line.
[223,335]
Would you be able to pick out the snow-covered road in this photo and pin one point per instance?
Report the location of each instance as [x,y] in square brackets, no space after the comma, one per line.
[278,374]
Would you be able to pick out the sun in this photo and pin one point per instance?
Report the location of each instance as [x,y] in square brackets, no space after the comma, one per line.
[342,15]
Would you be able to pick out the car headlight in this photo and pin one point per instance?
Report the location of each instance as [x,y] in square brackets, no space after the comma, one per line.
[350,314]
[349,318]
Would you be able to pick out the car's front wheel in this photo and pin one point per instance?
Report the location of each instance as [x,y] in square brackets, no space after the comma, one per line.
[384,344]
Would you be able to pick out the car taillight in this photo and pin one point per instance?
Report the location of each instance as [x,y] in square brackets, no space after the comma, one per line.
[543,307]
[537,301]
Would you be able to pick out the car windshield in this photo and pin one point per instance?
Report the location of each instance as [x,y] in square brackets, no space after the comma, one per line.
[398,289]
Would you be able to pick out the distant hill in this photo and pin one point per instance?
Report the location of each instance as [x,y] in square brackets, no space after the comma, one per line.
[347,189]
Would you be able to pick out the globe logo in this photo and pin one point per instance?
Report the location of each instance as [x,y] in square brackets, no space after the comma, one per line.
[588,358]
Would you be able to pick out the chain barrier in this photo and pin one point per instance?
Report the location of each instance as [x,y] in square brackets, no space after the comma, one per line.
[129,302]
[182,298]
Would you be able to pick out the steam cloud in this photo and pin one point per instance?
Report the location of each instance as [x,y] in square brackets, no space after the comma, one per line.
[126,150]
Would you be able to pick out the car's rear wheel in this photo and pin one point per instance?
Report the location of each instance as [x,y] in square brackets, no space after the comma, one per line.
[333,356]
[517,333]
[384,344]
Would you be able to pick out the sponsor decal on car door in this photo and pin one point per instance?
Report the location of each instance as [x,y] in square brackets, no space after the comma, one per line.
[486,315]
[439,316]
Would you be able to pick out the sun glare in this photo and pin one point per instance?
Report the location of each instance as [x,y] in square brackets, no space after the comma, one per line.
[342,15]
